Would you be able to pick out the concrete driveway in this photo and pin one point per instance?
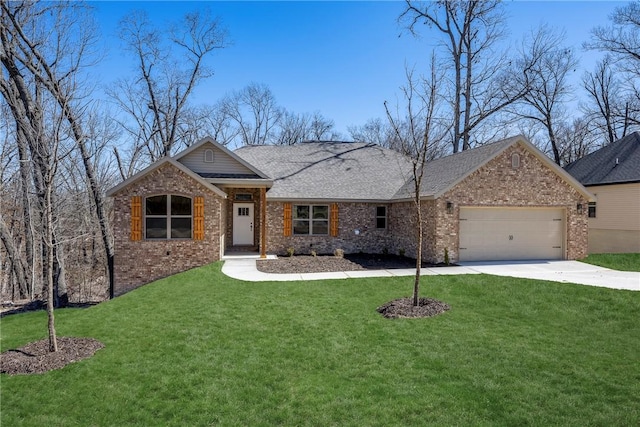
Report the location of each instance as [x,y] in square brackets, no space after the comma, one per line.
[244,268]
[560,271]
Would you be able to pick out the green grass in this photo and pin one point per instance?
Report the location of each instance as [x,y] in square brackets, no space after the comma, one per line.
[621,262]
[202,349]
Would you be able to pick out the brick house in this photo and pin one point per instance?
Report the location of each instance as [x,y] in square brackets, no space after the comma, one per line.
[501,201]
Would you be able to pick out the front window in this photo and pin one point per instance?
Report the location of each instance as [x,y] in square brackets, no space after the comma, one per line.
[592,209]
[168,217]
[381,217]
[311,219]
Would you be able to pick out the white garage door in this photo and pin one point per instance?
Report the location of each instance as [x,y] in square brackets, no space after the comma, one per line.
[488,234]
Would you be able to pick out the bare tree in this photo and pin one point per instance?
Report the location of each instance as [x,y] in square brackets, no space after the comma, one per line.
[294,128]
[577,140]
[480,84]
[321,128]
[420,132]
[621,42]
[207,120]
[622,38]
[375,130]
[168,68]
[255,114]
[547,80]
[57,67]
[609,106]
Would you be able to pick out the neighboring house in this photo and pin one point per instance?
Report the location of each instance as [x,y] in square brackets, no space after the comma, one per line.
[612,174]
[501,201]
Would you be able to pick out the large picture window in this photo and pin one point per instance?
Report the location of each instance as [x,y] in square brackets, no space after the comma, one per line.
[311,219]
[168,217]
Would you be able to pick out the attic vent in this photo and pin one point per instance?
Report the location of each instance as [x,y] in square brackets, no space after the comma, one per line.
[208,156]
[515,160]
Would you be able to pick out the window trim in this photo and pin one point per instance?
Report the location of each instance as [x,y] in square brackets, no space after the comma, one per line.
[168,217]
[385,217]
[592,210]
[209,156]
[310,220]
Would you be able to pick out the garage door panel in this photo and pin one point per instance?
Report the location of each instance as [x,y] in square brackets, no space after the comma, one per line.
[510,234]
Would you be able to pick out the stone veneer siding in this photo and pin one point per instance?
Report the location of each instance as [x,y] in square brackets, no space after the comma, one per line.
[142,261]
[351,217]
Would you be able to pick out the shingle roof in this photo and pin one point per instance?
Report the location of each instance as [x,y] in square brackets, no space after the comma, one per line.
[618,162]
[443,173]
[329,170]
[359,171]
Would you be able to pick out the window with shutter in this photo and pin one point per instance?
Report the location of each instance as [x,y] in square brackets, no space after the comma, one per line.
[136,218]
[287,220]
[334,220]
[198,218]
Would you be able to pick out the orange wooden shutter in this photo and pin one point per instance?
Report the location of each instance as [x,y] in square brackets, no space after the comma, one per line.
[136,218]
[287,220]
[334,220]
[198,218]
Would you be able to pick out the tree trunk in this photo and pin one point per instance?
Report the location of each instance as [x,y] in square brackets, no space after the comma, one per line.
[17,265]
[416,282]
[48,226]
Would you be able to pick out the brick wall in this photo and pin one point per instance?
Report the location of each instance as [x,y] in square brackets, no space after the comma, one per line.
[533,184]
[142,261]
[351,217]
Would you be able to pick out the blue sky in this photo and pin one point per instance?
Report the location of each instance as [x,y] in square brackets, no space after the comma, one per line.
[343,59]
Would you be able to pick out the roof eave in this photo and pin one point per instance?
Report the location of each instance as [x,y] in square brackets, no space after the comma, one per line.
[239,182]
[124,184]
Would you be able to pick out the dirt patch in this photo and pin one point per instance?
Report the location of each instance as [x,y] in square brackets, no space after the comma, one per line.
[329,263]
[35,357]
[404,308]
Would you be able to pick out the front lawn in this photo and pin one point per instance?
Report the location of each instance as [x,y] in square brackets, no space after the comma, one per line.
[621,262]
[200,348]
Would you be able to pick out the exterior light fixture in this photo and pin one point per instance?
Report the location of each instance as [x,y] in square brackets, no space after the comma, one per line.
[579,208]
[449,207]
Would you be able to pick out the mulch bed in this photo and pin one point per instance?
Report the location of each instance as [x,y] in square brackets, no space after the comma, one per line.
[330,263]
[35,357]
[404,308]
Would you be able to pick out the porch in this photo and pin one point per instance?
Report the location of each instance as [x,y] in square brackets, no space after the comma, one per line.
[246,223]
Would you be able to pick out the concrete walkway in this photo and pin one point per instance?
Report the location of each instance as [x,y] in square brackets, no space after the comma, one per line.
[244,268]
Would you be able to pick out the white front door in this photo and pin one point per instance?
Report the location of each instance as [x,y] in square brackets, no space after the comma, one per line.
[243,223]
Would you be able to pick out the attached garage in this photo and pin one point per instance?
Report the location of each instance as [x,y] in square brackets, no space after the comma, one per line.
[488,234]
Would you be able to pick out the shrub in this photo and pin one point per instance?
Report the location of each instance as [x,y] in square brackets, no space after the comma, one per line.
[314,253]
[338,253]
[290,251]
[401,252]
[446,256]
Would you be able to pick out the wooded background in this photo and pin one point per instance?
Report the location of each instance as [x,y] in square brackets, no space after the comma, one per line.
[62,147]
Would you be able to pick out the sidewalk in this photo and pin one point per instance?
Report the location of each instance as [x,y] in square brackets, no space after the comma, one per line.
[244,268]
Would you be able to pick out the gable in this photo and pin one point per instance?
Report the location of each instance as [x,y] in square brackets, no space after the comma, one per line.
[223,163]
[532,183]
